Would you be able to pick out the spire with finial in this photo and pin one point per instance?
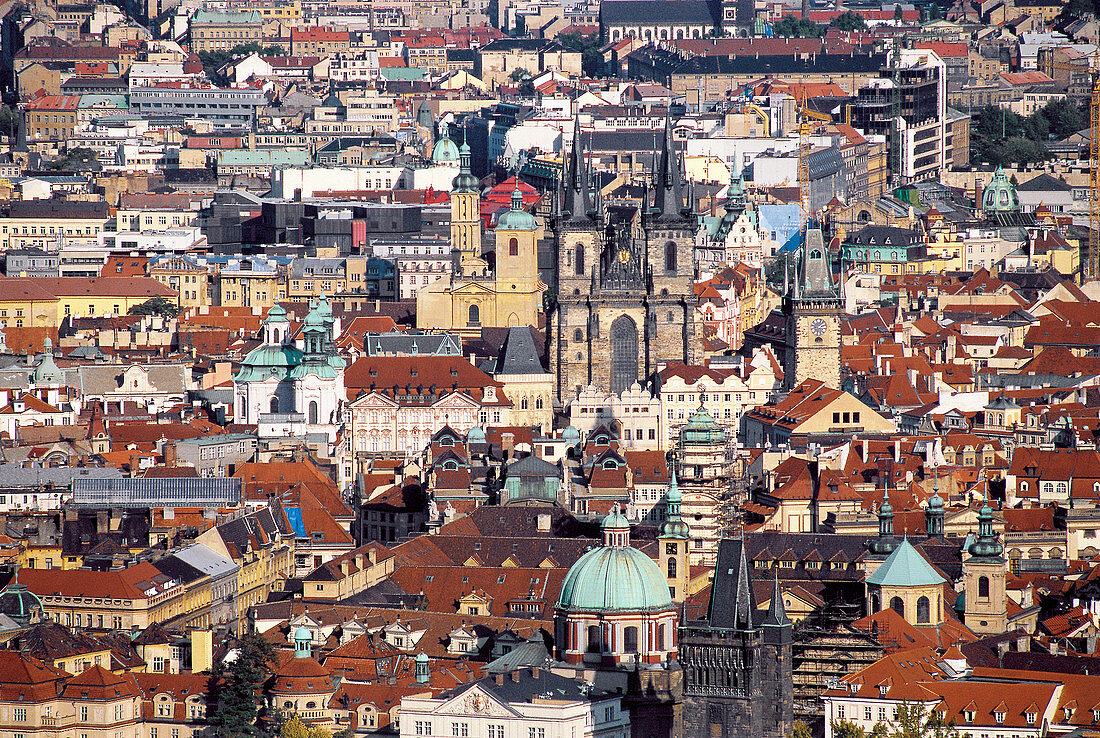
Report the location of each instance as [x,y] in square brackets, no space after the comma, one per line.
[987,546]
[465,181]
[674,526]
[933,513]
[886,542]
[576,178]
[669,200]
[776,625]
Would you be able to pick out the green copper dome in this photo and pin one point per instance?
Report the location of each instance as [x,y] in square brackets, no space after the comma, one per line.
[517,219]
[445,151]
[609,579]
[702,430]
[905,567]
[999,196]
[263,361]
[18,602]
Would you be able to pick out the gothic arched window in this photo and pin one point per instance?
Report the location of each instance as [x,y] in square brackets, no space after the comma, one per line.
[924,614]
[578,335]
[624,353]
[670,257]
[578,259]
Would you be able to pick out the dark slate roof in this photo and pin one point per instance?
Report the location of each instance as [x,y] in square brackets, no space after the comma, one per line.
[648,12]
[1044,183]
[533,466]
[732,601]
[519,354]
[772,65]
[532,652]
[879,235]
[526,686]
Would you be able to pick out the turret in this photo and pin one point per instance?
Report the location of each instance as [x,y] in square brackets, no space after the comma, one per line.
[576,179]
[987,546]
[776,625]
[886,542]
[669,200]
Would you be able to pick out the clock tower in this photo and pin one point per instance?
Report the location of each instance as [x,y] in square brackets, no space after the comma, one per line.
[813,308]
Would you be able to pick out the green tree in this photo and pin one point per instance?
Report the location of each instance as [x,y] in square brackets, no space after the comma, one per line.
[212,61]
[519,74]
[799,729]
[592,62]
[156,306]
[1079,8]
[847,729]
[233,689]
[792,27]
[295,727]
[77,159]
[849,21]
[8,121]
[914,720]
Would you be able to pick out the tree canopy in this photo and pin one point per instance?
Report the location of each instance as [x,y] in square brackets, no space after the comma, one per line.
[791,27]
[1001,137]
[232,690]
[849,21]
[156,306]
[592,63]
[212,61]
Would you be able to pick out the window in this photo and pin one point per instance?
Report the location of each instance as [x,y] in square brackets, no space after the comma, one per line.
[513,247]
[840,712]
[672,568]
[19,714]
[423,727]
[670,257]
[923,610]
[578,260]
[897,606]
[983,587]
[999,717]
[474,315]
[460,729]
[496,731]
[630,639]
[867,713]
[536,733]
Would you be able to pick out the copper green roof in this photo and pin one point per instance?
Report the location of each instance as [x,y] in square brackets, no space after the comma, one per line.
[905,567]
[614,579]
[265,361]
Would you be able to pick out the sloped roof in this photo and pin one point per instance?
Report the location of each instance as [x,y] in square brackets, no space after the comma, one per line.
[905,567]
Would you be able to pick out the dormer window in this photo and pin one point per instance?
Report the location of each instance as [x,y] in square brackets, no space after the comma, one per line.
[1030,717]
[882,690]
[999,718]
[969,716]
[1069,713]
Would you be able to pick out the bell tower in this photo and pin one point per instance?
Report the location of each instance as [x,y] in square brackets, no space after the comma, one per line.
[465,214]
[986,611]
[673,542]
[813,308]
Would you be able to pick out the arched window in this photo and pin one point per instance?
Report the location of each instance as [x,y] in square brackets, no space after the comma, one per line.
[924,614]
[630,639]
[983,588]
[897,606]
[538,403]
[578,259]
[660,636]
[273,406]
[594,639]
[875,604]
[670,257]
[578,335]
[523,403]
[475,315]
[624,353]
[275,335]
[313,412]
[513,247]
[671,568]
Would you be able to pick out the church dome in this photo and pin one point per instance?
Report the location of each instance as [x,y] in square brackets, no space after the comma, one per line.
[262,360]
[19,603]
[277,314]
[445,151]
[702,430]
[999,196]
[517,219]
[614,578]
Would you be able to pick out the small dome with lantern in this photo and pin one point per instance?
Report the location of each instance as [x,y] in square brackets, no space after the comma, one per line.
[999,196]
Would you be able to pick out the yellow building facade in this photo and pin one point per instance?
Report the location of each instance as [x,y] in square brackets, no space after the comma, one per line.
[476,296]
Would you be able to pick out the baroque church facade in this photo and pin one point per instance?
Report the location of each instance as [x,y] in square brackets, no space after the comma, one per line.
[625,281]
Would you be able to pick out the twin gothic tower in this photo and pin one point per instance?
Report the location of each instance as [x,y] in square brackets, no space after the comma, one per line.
[625,281]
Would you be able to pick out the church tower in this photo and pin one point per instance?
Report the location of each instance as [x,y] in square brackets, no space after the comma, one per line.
[672,541]
[625,283]
[986,611]
[518,287]
[466,216]
[813,308]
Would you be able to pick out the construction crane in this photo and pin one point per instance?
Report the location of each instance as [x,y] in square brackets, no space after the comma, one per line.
[803,164]
[1091,267]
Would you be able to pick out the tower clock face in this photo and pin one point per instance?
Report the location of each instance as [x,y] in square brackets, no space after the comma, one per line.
[818,327]
[624,256]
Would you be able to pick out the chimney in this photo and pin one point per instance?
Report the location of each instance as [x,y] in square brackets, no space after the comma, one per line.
[897,451]
[170,456]
[515,676]
[202,650]
[544,522]
[499,679]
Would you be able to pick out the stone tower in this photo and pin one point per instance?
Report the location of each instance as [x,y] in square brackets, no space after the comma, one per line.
[984,580]
[672,541]
[466,215]
[624,282]
[813,308]
[737,662]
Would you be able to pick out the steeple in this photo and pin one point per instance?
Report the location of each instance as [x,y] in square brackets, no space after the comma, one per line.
[576,178]
[933,513]
[674,526]
[987,547]
[776,625]
[815,276]
[669,201]
[465,181]
[886,542]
